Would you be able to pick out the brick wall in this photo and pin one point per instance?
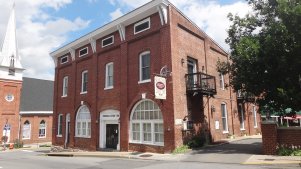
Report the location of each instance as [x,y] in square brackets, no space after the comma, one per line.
[274,137]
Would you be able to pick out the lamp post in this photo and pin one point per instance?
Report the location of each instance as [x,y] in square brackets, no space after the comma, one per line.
[300,80]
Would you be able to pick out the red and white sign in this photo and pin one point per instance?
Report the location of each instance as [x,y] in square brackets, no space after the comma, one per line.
[160,87]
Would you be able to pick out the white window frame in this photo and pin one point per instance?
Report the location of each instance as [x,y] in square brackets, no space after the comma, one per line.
[140,68]
[82,122]
[65,87]
[141,122]
[226,118]
[82,50]
[107,85]
[29,136]
[64,58]
[83,82]
[140,23]
[44,128]
[107,39]
[60,125]
[242,117]
[221,81]
[254,116]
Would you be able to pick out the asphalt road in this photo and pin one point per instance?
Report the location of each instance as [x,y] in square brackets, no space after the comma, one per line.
[36,160]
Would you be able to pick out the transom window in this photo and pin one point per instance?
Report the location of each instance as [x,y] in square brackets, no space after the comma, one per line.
[64,59]
[84,87]
[107,41]
[142,26]
[42,129]
[26,130]
[147,124]
[109,76]
[83,122]
[83,52]
[144,67]
[224,117]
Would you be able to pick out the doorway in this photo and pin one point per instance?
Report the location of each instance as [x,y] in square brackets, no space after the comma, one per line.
[111,136]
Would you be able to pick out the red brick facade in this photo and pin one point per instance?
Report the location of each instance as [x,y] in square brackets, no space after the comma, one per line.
[169,44]
[9,110]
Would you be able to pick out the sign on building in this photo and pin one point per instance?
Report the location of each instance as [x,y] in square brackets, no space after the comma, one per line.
[160,87]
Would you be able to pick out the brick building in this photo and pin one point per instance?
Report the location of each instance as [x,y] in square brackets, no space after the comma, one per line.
[25,103]
[105,85]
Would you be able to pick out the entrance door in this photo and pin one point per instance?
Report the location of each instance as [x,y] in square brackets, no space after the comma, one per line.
[111,135]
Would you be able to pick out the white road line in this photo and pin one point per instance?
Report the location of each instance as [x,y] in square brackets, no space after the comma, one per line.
[27,151]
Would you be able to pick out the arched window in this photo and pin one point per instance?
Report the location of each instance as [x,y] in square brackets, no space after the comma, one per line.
[26,130]
[147,123]
[42,129]
[83,122]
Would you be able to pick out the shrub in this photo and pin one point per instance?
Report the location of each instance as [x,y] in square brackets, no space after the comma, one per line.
[196,141]
[282,151]
[181,149]
[18,144]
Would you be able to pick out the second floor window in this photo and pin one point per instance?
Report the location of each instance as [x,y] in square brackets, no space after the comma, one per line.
[84,87]
[65,86]
[221,81]
[144,67]
[109,76]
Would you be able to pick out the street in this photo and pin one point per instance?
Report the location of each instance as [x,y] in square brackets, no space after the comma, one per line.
[25,159]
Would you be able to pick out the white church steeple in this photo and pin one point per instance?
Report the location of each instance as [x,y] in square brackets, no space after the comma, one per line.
[10,61]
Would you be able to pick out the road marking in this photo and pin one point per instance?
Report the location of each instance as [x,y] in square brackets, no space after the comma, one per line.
[27,151]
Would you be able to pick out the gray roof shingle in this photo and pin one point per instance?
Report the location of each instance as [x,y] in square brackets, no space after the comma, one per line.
[36,95]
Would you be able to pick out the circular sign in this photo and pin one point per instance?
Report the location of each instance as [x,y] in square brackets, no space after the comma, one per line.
[9,97]
[160,85]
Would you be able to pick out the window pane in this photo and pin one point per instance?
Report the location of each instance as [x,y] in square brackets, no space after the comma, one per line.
[84,128]
[78,128]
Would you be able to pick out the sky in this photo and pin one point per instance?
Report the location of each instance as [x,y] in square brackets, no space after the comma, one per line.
[45,25]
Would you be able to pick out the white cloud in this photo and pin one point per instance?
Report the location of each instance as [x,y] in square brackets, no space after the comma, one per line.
[38,33]
[116,14]
[209,15]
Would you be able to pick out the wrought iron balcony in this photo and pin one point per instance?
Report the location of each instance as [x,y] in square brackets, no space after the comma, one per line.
[245,96]
[200,82]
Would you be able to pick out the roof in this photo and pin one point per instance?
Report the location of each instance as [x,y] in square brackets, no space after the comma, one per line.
[36,95]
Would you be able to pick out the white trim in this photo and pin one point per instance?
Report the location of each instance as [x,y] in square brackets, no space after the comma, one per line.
[63,57]
[45,128]
[107,76]
[83,121]
[108,117]
[141,122]
[85,48]
[140,23]
[140,67]
[107,39]
[226,117]
[82,82]
[35,112]
[65,86]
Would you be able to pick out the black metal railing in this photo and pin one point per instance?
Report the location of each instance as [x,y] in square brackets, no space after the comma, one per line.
[200,82]
[245,96]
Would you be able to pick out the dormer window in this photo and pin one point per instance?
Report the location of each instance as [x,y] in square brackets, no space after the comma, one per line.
[107,41]
[142,26]
[64,59]
[83,52]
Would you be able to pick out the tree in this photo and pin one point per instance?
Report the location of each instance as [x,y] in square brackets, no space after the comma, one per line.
[266,53]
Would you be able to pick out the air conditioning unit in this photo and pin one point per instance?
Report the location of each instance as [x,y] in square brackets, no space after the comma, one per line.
[187,125]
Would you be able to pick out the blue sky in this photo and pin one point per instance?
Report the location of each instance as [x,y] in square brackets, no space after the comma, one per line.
[45,25]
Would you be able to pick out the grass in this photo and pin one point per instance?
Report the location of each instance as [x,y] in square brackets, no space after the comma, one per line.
[180,150]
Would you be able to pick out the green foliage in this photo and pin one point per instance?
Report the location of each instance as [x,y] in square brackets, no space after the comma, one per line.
[181,149]
[266,53]
[18,143]
[288,152]
[196,142]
